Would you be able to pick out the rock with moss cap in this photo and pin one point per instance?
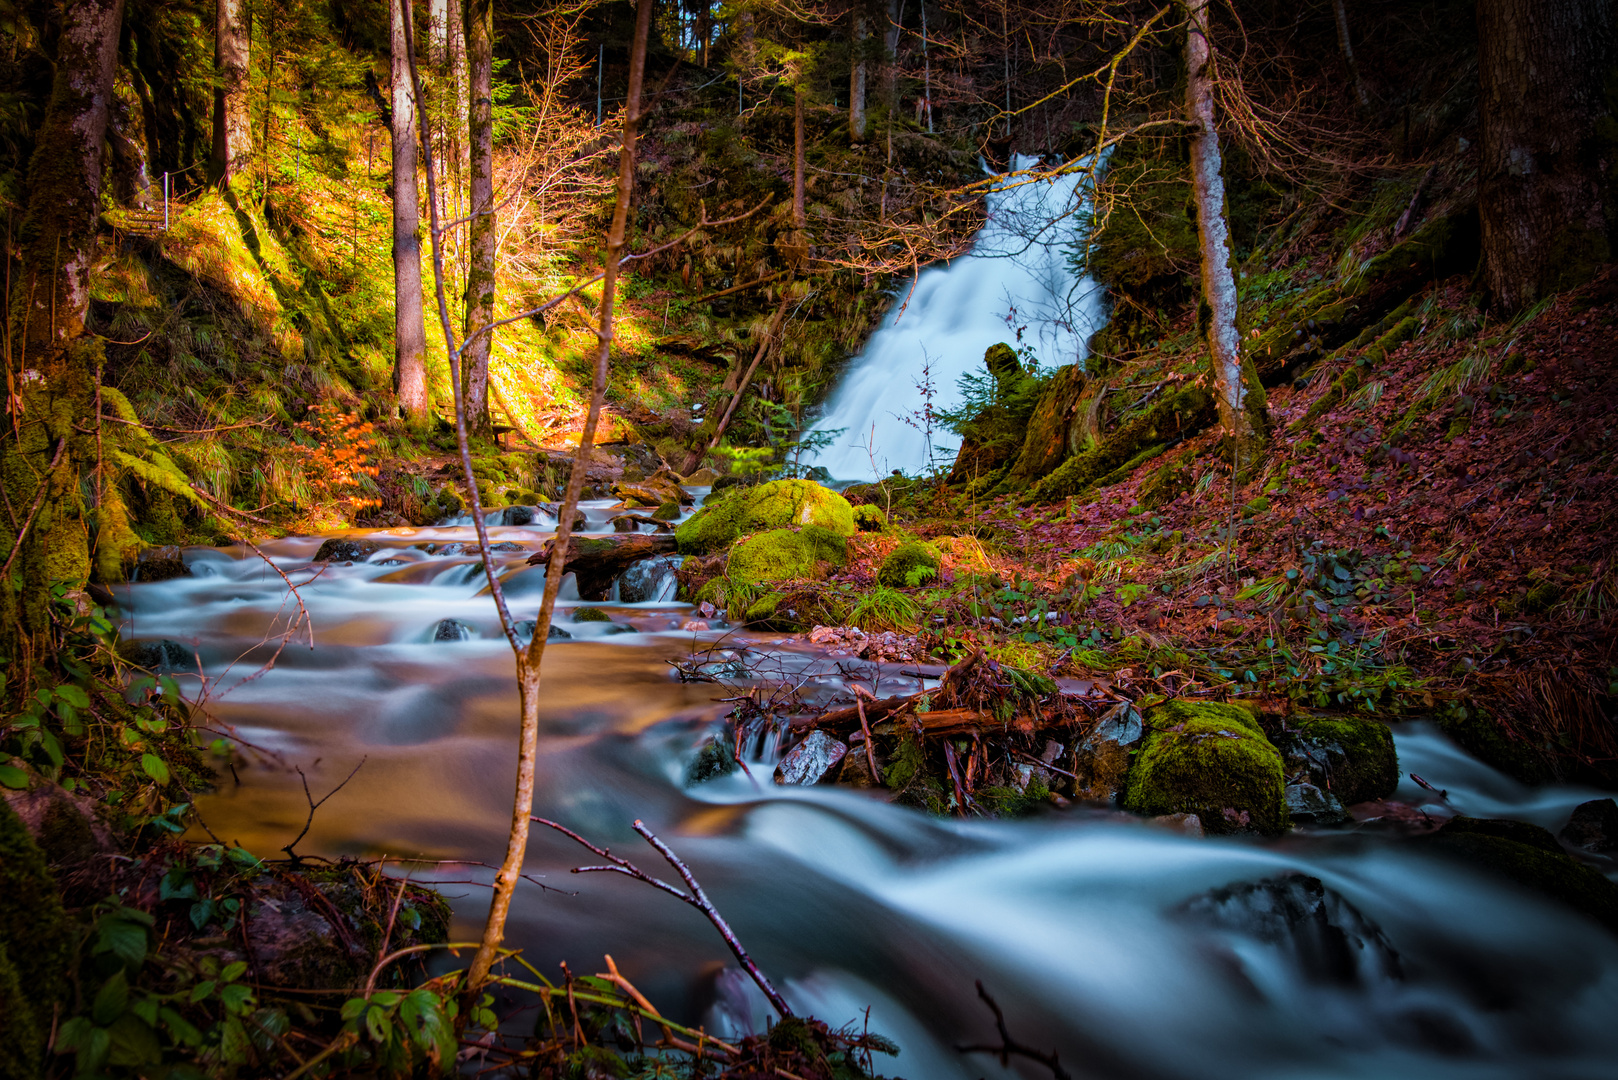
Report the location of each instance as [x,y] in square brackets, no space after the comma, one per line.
[909,565]
[868,518]
[1211,760]
[778,504]
[785,555]
[590,614]
[1354,759]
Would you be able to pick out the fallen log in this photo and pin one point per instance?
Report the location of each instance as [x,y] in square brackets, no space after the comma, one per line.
[595,561]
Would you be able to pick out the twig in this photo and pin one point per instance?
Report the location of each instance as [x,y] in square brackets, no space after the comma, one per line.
[339,1044]
[696,898]
[1009,1046]
[313,806]
[739,288]
[870,754]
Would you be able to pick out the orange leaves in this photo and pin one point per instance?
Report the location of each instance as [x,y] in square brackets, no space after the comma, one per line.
[337,460]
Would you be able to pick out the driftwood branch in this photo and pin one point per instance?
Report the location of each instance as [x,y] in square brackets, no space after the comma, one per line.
[696,897]
[293,856]
[1010,1047]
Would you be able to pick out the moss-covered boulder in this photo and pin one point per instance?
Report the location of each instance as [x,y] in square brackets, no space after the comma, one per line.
[590,614]
[868,518]
[1530,857]
[35,947]
[779,504]
[1352,758]
[909,565]
[785,555]
[1211,760]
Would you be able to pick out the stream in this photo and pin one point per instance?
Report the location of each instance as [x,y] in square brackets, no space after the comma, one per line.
[1101,937]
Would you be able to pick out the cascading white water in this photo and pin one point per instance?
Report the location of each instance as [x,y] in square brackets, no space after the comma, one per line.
[1017,285]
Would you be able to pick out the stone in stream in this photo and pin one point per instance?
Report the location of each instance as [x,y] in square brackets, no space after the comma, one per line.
[1211,760]
[343,549]
[451,630]
[1101,762]
[1308,805]
[811,760]
[1314,928]
[1351,758]
[646,580]
[1593,827]
[158,655]
[525,631]
[517,515]
[161,564]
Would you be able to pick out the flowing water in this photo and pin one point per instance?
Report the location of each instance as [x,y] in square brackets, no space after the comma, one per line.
[1098,935]
[1017,285]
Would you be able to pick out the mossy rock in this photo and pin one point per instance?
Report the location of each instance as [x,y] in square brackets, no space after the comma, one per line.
[1166,483]
[1361,763]
[590,614]
[35,946]
[715,759]
[342,549]
[785,555]
[1530,857]
[778,504]
[1211,760]
[869,518]
[668,511]
[909,565]
[1482,736]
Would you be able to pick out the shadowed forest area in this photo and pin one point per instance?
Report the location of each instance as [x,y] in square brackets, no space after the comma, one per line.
[1079,534]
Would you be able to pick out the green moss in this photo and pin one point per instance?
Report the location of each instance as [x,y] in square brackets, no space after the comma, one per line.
[35,946]
[1480,735]
[1166,483]
[1522,855]
[909,565]
[1211,760]
[590,614]
[1048,431]
[785,555]
[869,518]
[1258,505]
[714,760]
[1367,768]
[669,511]
[1182,413]
[776,505]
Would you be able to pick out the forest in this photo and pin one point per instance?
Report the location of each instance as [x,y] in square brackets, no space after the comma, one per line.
[1065,539]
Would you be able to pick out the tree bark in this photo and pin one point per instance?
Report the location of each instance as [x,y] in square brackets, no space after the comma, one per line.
[232,131]
[481,233]
[1213,234]
[800,218]
[44,539]
[409,330]
[1542,183]
[856,78]
[437,34]
[890,59]
[1347,45]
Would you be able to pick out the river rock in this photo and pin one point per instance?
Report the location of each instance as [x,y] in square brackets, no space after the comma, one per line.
[648,579]
[1326,938]
[451,630]
[508,547]
[1593,827]
[1531,857]
[525,631]
[1308,805]
[159,655]
[517,515]
[1101,762]
[811,760]
[161,564]
[344,549]
[1353,759]
[703,477]
[1211,760]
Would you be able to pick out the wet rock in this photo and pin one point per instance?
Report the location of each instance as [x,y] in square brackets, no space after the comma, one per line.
[1353,759]
[1211,760]
[1101,762]
[159,655]
[517,515]
[590,614]
[1308,805]
[811,760]
[1189,824]
[624,523]
[346,550]
[1593,827]
[703,477]
[715,759]
[1531,857]
[1325,937]
[668,511]
[508,546]
[161,564]
[649,580]
[525,631]
[451,630]
[726,667]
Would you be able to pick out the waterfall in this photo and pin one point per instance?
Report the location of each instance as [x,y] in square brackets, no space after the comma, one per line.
[1016,285]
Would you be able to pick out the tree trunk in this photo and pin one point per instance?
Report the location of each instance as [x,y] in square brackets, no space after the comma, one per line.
[800,218]
[1541,188]
[856,78]
[44,538]
[1213,234]
[481,235]
[409,331]
[437,35]
[1347,45]
[232,132]
[890,59]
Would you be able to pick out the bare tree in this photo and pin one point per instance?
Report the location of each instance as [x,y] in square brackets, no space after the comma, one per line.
[856,72]
[1213,233]
[480,271]
[232,130]
[409,331]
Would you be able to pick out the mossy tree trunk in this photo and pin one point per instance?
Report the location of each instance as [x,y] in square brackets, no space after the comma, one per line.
[1218,312]
[1542,70]
[45,537]
[480,261]
[409,331]
[232,129]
